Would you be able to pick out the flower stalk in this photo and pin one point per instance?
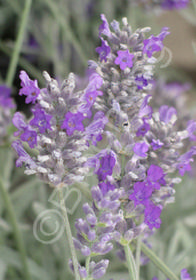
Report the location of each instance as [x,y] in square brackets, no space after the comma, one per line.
[158,262]
[130,263]
[18,44]
[68,233]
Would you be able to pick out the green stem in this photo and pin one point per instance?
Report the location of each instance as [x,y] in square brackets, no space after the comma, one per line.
[194,5]
[18,44]
[68,233]
[16,230]
[87,266]
[67,30]
[32,70]
[130,263]
[138,255]
[158,262]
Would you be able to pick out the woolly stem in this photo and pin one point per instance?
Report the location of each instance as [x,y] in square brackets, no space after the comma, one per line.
[130,263]
[138,255]
[68,233]
[87,266]
[18,44]
[158,262]
[17,234]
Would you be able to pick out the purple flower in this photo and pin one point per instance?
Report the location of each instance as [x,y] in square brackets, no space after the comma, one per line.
[124,59]
[191,128]
[145,109]
[106,187]
[23,157]
[166,113]
[140,149]
[143,129]
[152,216]
[155,44]
[5,100]
[104,27]
[95,129]
[183,167]
[100,269]
[95,82]
[174,4]
[83,272]
[156,144]
[141,82]
[141,194]
[185,275]
[183,164]
[106,165]
[73,122]
[155,176]
[104,50]
[88,100]
[19,122]
[29,136]
[29,88]
[151,45]
[41,120]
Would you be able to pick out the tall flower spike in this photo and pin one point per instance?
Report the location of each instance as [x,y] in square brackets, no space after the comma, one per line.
[56,131]
[147,146]
[95,233]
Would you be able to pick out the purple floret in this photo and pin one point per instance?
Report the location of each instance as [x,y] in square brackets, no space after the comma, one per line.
[104,27]
[106,166]
[152,216]
[104,50]
[141,194]
[155,43]
[41,120]
[23,156]
[29,88]
[5,100]
[141,149]
[124,59]
[29,136]
[73,122]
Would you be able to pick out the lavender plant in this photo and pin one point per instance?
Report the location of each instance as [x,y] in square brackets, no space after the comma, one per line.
[144,147]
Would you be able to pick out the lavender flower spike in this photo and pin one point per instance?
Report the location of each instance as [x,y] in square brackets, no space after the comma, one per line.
[56,132]
[145,147]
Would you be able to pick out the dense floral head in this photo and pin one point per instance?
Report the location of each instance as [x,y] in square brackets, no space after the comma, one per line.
[145,146]
[56,129]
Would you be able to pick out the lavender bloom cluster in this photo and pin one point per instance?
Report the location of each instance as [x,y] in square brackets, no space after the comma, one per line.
[94,234]
[7,106]
[162,4]
[55,136]
[145,148]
